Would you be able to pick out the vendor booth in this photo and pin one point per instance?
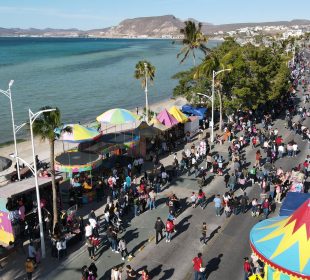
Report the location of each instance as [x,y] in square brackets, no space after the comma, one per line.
[190,110]
[22,194]
[68,230]
[179,116]
[282,243]
[167,119]
[191,128]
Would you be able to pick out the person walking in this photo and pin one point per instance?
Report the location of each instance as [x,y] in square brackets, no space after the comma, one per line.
[29,266]
[151,200]
[199,270]
[266,207]
[246,268]
[122,247]
[131,274]
[244,201]
[204,229]
[159,227]
[217,204]
[278,193]
[90,248]
[112,237]
[169,230]
[232,182]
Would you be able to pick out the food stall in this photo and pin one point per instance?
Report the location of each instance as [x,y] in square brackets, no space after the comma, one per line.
[11,226]
[69,229]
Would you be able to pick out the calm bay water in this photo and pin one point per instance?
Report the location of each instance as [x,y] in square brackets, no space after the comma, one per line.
[83,77]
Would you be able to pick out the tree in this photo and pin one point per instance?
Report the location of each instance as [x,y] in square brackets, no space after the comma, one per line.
[193,40]
[215,62]
[145,71]
[44,127]
[259,76]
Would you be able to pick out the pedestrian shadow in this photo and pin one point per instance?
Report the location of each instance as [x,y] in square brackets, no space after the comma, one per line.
[155,271]
[137,247]
[131,235]
[209,200]
[213,233]
[182,226]
[167,274]
[213,265]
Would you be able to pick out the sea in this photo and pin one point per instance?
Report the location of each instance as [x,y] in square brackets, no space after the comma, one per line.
[82,77]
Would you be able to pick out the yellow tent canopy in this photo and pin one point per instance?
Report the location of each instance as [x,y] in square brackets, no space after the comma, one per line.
[176,112]
[156,123]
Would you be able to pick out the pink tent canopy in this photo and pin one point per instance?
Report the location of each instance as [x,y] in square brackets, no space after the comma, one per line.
[167,119]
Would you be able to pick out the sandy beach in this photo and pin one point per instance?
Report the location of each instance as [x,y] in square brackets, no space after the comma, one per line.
[42,147]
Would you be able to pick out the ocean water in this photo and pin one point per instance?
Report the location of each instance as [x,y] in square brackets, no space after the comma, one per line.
[83,77]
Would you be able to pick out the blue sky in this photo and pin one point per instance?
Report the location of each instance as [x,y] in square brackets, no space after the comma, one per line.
[88,14]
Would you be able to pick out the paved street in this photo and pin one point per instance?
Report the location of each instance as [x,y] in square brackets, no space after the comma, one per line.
[223,254]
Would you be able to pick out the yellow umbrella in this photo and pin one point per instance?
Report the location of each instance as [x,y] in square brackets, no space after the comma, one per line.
[176,112]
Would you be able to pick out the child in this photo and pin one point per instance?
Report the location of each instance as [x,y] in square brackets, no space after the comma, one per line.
[204,233]
[193,199]
[227,210]
[29,268]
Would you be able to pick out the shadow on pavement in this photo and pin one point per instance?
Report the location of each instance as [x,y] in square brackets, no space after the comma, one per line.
[167,274]
[137,247]
[182,226]
[213,265]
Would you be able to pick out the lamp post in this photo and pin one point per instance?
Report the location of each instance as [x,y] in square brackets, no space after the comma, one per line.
[146,97]
[32,118]
[8,94]
[214,74]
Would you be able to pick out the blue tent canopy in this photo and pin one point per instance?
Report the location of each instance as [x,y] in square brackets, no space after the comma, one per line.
[200,112]
[292,201]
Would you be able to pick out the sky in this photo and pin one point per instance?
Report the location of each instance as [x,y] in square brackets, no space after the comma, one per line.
[91,14]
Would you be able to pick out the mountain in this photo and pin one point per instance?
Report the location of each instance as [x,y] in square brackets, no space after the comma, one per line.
[147,26]
[156,26]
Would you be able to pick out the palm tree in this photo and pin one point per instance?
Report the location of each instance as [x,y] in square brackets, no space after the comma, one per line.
[44,127]
[193,40]
[145,71]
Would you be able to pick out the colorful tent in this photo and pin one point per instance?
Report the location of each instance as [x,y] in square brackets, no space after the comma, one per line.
[145,130]
[283,244]
[117,116]
[76,133]
[166,119]
[177,113]
[157,124]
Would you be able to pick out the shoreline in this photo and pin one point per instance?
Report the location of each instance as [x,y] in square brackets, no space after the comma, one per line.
[42,148]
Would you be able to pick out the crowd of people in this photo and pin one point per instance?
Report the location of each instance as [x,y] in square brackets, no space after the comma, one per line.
[131,190]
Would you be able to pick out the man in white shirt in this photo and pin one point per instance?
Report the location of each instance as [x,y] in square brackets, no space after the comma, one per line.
[295,149]
[88,230]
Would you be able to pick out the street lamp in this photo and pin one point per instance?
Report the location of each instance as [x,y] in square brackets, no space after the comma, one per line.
[146,97]
[8,94]
[32,118]
[214,74]
[211,98]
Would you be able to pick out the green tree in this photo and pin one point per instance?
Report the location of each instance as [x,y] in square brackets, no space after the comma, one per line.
[145,71]
[193,40]
[259,74]
[44,127]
